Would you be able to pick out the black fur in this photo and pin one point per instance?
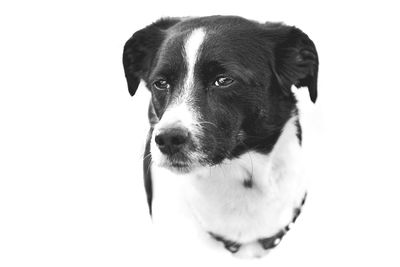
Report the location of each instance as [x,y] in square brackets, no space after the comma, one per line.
[248,183]
[148,184]
[299,132]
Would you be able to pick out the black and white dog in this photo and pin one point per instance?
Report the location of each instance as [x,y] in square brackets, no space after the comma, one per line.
[224,123]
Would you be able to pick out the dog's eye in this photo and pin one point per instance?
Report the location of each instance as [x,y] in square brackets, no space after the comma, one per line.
[161,85]
[222,81]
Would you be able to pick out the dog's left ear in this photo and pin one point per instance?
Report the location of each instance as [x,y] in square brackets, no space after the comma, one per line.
[140,50]
[296,61]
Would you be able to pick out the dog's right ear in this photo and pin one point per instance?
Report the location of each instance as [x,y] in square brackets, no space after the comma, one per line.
[296,60]
[140,50]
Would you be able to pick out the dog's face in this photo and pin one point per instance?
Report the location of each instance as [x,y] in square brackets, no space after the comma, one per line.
[220,86]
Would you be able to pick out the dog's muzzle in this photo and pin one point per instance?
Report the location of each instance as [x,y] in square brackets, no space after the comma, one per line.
[176,146]
[172,140]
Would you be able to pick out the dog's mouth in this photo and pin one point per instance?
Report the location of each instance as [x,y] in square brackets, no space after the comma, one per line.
[183,161]
[179,166]
[178,163]
[189,160]
[188,157]
[188,163]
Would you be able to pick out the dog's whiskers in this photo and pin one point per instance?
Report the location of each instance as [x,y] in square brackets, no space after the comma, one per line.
[206,122]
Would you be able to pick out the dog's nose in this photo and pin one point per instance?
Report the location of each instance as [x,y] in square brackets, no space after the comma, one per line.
[171,140]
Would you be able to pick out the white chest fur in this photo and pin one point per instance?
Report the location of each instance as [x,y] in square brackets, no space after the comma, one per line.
[217,200]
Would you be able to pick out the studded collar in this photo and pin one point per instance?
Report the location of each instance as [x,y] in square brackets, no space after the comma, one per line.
[267,242]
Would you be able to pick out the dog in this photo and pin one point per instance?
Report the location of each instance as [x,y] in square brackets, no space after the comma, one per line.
[224,123]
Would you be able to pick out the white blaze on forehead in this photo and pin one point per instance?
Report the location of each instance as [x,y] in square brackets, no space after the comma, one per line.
[191,51]
[181,112]
[177,115]
[181,109]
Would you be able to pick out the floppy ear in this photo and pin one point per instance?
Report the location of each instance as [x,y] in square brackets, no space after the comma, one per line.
[140,50]
[296,61]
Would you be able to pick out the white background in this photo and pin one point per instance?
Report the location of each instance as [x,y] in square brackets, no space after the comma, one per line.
[71,137]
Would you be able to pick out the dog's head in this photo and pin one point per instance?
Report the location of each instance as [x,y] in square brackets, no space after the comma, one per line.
[220,86]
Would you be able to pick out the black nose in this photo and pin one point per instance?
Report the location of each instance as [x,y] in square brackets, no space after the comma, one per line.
[171,141]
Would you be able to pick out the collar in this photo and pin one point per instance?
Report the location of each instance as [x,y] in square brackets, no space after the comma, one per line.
[267,242]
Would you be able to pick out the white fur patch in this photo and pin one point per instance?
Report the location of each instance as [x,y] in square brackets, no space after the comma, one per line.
[192,48]
[191,51]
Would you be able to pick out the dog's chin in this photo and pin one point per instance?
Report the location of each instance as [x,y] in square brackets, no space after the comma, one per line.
[181,168]
[178,167]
